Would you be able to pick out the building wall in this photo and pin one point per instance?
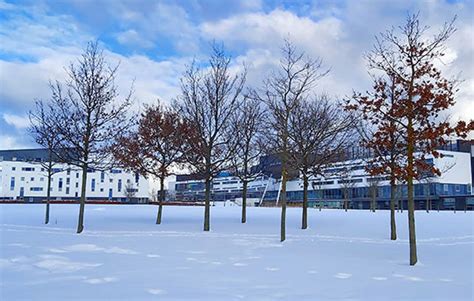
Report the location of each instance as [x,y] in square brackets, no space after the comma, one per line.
[28,181]
[455,181]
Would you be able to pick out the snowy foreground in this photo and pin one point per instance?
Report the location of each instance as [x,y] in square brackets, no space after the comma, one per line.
[123,255]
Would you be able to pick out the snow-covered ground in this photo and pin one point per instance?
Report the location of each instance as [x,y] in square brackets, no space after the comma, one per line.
[123,255]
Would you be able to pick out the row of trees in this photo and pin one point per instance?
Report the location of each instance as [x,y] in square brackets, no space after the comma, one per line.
[218,123]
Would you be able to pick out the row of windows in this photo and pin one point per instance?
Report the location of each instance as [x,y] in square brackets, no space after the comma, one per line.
[68,181]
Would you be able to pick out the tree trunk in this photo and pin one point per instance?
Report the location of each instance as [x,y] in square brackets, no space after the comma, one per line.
[161,200]
[304,222]
[393,226]
[207,205]
[428,206]
[283,202]
[80,223]
[345,203]
[374,198]
[244,201]
[411,201]
[48,194]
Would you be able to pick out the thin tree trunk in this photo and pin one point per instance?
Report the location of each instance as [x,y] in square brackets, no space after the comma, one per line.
[162,198]
[345,201]
[283,202]
[411,201]
[244,201]
[80,223]
[304,222]
[393,226]
[207,205]
[48,194]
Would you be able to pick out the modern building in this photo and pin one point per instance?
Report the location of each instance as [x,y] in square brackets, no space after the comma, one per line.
[348,180]
[24,178]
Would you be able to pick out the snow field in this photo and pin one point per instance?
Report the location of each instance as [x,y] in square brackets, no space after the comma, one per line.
[123,255]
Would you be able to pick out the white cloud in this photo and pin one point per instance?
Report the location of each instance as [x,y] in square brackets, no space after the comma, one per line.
[19,122]
[340,36]
[133,38]
[9,142]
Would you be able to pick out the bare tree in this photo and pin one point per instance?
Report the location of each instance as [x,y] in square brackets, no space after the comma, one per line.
[249,130]
[209,99]
[347,184]
[319,131]
[373,188]
[282,92]
[155,147]
[42,130]
[88,116]
[130,191]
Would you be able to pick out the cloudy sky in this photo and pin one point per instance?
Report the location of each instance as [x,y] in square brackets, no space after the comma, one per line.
[154,40]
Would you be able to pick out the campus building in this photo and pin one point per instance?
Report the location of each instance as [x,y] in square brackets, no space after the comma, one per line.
[349,180]
[24,178]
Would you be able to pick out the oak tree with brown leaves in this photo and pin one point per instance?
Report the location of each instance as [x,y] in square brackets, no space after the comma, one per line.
[155,147]
[408,58]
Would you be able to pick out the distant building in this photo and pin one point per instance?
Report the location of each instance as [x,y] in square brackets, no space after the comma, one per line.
[453,189]
[22,177]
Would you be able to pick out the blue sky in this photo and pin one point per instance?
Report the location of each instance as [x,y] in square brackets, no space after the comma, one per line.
[154,40]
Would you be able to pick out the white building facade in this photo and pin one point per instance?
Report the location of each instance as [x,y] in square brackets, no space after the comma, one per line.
[25,180]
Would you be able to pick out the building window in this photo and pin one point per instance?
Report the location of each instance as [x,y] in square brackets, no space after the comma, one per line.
[119,185]
[77,175]
[102,190]
[102,176]
[115,171]
[12,183]
[77,184]
[36,188]
[67,190]
[60,184]
[93,185]
[13,168]
[41,179]
[32,179]
[68,181]
[22,179]
[27,169]
[68,171]
[42,169]
[137,177]
[111,180]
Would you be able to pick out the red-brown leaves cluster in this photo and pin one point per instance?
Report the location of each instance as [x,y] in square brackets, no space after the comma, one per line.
[157,144]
